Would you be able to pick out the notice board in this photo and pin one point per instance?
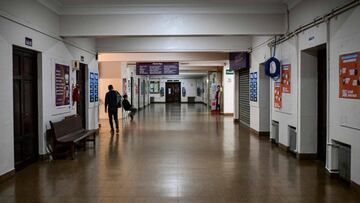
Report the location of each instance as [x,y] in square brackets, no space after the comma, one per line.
[62,85]
[349,76]
[277,95]
[286,78]
[253,86]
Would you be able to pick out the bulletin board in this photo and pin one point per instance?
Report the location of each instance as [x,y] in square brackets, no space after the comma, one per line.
[349,76]
[94,83]
[277,95]
[286,78]
[253,86]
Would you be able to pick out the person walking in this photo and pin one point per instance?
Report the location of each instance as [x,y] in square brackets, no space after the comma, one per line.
[111,107]
[128,107]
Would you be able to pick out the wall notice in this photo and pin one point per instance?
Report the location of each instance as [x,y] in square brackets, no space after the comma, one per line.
[286,78]
[62,85]
[277,95]
[253,86]
[349,76]
[94,82]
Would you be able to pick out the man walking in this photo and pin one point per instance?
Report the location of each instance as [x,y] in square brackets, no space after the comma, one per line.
[111,107]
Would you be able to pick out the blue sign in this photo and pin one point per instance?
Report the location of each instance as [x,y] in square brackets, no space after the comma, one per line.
[92,87]
[253,86]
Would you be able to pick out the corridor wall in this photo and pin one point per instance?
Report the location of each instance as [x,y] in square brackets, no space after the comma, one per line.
[16,14]
[342,37]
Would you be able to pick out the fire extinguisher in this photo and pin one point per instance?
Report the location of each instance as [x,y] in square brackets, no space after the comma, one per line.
[76,94]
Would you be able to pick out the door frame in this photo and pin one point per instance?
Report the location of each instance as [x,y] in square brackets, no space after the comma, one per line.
[38,102]
[179,83]
[85,92]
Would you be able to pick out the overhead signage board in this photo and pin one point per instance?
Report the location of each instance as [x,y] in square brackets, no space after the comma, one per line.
[239,60]
[157,68]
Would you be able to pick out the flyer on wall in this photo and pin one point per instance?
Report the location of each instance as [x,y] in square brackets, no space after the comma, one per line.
[349,76]
[277,95]
[286,78]
[62,85]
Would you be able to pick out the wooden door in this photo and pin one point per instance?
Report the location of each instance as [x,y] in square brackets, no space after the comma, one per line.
[25,107]
[80,81]
[173,94]
[322,104]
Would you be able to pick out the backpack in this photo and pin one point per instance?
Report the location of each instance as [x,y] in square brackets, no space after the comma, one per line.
[118,99]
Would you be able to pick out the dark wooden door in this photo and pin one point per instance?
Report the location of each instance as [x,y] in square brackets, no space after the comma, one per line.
[173,94]
[25,107]
[81,106]
[322,105]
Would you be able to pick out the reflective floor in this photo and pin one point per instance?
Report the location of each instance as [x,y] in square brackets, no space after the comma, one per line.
[177,153]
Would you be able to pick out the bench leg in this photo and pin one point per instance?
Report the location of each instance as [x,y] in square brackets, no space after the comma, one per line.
[72,151]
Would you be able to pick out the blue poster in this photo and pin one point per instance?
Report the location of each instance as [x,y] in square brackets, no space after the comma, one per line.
[96,87]
[92,87]
[253,86]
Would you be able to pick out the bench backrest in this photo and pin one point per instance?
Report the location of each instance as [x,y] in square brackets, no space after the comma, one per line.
[66,126]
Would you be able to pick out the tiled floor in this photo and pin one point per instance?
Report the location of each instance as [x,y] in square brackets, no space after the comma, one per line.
[177,153]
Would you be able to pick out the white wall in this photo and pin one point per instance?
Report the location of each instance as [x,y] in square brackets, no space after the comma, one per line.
[344,114]
[228,84]
[34,15]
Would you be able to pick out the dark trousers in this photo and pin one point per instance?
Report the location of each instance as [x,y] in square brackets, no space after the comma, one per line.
[113,113]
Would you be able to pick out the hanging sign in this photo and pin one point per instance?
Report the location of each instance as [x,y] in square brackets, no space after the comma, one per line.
[349,76]
[286,78]
[157,68]
[277,95]
[253,86]
[62,85]
[239,60]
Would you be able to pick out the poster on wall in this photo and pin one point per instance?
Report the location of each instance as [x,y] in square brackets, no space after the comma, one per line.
[349,76]
[277,95]
[96,87]
[286,78]
[62,85]
[124,86]
[92,90]
[253,86]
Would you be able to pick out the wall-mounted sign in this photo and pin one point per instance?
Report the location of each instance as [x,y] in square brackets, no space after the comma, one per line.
[286,78]
[253,86]
[157,68]
[28,41]
[229,72]
[94,82]
[277,95]
[349,76]
[62,85]
[239,60]
[154,87]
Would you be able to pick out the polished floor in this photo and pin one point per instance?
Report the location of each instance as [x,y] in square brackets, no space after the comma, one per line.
[177,153]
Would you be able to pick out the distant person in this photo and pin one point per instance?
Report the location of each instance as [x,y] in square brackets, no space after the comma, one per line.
[128,107]
[112,101]
[218,97]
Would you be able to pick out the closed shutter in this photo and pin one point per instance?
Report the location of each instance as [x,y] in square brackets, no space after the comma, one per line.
[244,108]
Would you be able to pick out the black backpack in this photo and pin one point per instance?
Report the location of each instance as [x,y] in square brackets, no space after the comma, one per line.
[118,99]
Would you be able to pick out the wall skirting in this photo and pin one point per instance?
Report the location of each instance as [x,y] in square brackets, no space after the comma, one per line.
[301,156]
[227,114]
[262,134]
[7,175]
[284,147]
[355,186]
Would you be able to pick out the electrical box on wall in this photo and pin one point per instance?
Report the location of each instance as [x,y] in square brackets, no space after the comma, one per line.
[75,65]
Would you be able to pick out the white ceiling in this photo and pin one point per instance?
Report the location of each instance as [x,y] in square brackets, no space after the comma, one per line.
[162,2]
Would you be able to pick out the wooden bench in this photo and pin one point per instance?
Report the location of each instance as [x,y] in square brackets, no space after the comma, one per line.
[68,133]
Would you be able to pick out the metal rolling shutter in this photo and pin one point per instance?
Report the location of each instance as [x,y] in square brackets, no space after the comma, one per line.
[244,108]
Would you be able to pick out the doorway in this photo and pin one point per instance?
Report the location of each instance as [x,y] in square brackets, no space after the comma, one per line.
[25,107]
[139,93]
[80,81]
[173,92]
[322,104]
[313,102]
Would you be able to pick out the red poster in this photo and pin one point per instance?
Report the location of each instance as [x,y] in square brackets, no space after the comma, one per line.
[277,95]
[286,78]
[349,76]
